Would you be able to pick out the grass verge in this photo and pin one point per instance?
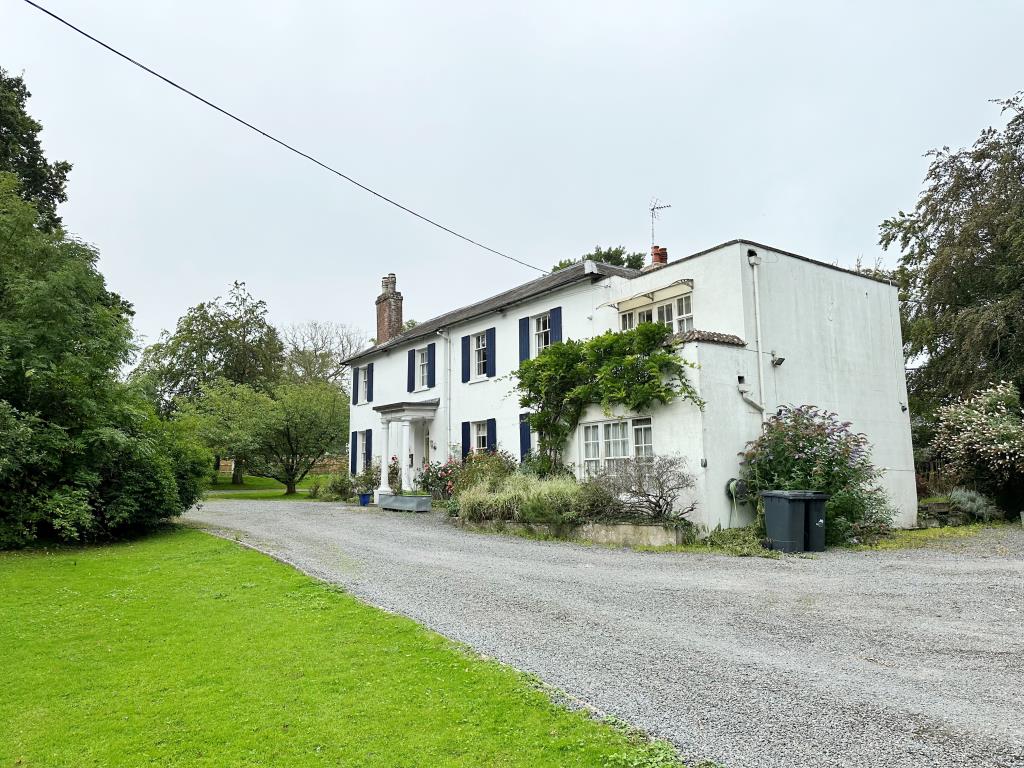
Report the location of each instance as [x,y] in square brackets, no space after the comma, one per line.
[923,537]
[183,649]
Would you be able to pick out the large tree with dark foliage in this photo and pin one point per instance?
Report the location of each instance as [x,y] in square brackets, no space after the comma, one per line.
[40,181]
[82,455]
[962,266]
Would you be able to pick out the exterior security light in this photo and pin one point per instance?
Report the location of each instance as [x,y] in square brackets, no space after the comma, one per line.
[777,361]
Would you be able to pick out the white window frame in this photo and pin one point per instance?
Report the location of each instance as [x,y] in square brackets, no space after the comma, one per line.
[422,367]
[643,438]
[644,316]
[480,353]
[626,321]
[605,444]
[362,382]
[684,313]
[591,449]
[541,332]
[665,314]
[479,436]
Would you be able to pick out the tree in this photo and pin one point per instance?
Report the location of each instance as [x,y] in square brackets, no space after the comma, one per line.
[617,257]
[634,369]
[84,455]
[219,339]
[316,351]
[307,422]
[962,266]
[42,183]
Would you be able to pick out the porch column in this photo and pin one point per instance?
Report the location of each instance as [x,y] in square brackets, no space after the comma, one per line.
[403,458]
[384,487]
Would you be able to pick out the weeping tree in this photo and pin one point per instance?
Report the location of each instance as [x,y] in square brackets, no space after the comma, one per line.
[961,268]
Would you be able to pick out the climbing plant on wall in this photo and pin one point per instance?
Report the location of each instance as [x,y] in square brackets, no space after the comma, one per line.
[633,369]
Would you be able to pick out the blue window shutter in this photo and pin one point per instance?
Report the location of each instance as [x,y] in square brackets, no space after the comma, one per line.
[352,453]
[524,435]
[466,447]
[355,386]
[524,339]
[491,352]
[368,453]
[465,358]
[369,383]
[431,364]
[492,435]
[411,383]
[555,324]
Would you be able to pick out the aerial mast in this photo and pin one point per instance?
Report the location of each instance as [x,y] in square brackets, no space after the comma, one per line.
[656,205]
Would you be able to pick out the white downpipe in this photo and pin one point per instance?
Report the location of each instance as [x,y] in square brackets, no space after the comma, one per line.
[755,260]
[446,334]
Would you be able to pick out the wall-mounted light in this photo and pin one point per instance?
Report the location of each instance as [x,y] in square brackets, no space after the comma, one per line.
[776,360]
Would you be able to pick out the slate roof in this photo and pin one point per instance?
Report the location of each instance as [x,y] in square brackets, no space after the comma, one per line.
[532,289]
[711,337]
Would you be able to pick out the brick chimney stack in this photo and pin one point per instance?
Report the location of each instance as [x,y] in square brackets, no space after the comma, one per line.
[659,258]
[389,310]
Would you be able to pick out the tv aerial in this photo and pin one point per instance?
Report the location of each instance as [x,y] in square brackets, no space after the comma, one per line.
[656,206]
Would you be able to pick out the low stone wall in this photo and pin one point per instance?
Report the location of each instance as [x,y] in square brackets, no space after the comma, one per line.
[939,514]
[614,534]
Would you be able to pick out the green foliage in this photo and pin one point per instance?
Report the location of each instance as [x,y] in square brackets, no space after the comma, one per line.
[368,480]
[962,266]
[84,455]
[805,448]
[522,498]
[40,182]
[633,369]
[981,440]
[617,257]
[972,503]
[650,489]
[338,487]
[187,650]
[487,468]
[438,477]
[228,339]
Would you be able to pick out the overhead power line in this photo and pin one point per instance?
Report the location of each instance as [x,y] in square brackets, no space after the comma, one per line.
[278,141]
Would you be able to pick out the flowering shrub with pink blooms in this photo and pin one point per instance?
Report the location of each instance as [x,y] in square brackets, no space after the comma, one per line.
[807,448]
[438,478]
[981,441]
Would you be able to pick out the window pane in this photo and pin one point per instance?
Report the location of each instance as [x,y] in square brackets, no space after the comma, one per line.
[626,321]
[644,316]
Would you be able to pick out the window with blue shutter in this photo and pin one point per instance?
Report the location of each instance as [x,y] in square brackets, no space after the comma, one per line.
[431,364]
[352,448]
[524,435]
[467,446]
[492,435]
[369,383]
[355,386]
[491,352]
[465,359]
[368,449]
[410,385]
[524,339]
[555,320]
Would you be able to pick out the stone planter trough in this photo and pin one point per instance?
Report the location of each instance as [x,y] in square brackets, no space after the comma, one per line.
[398,503]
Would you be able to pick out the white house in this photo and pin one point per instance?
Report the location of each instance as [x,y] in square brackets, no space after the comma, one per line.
[765,327]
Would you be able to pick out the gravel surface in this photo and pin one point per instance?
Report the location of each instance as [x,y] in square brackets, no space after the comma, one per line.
[899,658]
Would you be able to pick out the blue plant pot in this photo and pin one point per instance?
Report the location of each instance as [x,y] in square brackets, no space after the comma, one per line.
[364,499]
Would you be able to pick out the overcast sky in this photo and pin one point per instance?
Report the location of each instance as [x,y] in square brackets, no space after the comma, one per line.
[540,128]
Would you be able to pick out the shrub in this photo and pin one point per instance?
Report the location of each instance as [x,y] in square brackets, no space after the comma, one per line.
[438,478]
[981,441]
[806,448]
[490,468]
[395,474]
[739,542]
[972,503]
[338,487]
[316,487]
[597,500]
[368,480]
[651,489]
[522,498]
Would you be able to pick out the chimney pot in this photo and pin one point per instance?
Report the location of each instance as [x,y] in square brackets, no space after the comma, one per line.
[659,255]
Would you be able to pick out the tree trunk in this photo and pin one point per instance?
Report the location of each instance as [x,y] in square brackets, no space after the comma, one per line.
[236,472]
[289,489]
[216,469]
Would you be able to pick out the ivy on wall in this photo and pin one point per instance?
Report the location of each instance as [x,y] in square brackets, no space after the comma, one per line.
[633,369]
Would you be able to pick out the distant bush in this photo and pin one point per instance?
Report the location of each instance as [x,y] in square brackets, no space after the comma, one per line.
[316,487]
[972,503]
[806,448]
[338,487]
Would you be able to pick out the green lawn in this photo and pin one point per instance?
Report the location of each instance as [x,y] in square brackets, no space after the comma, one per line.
[187,650]
[259,488]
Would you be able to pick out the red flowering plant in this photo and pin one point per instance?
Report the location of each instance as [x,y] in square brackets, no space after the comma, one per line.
[439,478]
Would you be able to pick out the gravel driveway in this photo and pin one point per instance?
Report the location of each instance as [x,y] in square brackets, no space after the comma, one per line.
[903,658]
